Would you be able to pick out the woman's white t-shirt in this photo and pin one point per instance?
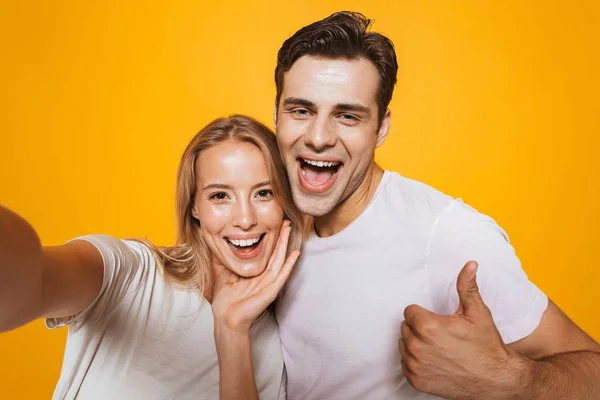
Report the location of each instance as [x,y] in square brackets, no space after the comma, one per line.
[145,338]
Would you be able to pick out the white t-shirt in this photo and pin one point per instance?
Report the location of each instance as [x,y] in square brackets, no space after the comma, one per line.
[145,338]
[340,313]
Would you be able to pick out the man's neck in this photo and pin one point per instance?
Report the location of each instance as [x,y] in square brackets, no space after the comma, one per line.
[348,210]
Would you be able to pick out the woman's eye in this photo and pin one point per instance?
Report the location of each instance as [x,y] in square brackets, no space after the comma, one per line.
[218,196]
[265,194]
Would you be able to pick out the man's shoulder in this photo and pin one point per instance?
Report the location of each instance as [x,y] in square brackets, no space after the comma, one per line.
[432,206]
[414,197]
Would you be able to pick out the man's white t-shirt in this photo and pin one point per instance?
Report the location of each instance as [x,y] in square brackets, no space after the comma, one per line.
[340,313]
[145,338]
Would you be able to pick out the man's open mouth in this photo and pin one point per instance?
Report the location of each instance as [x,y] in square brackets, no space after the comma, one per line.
[318,175]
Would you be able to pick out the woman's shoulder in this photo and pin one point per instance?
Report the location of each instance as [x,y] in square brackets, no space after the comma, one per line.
[113,248]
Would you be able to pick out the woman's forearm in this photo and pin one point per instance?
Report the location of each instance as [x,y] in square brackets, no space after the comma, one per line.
[20,271]
[235,364]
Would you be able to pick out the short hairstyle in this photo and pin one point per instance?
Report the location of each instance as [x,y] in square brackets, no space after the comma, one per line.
[345,35]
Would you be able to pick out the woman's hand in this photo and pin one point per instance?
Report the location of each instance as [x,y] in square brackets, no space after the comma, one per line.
[238,302]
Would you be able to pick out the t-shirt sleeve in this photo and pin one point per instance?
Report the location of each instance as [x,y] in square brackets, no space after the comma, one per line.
[461,234]
[126,264]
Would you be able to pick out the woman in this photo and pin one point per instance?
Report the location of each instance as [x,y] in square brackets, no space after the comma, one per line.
[178,322]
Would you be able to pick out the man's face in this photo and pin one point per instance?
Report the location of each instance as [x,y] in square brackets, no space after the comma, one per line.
[327,129]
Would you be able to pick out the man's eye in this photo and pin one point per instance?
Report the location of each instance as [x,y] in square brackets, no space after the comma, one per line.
[301,112]
[218,196]
[349,117]
[265,194]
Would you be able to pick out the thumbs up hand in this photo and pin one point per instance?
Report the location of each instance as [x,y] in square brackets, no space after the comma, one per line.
[459,356]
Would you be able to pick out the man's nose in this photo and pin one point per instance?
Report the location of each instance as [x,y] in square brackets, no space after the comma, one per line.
[321,134]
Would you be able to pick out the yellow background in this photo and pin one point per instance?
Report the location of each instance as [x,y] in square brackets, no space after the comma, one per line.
[497,102]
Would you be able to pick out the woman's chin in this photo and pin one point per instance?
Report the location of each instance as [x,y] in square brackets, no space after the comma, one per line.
[249,270]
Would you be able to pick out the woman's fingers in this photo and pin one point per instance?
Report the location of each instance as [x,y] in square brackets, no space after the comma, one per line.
[278,256]
[285,223]
[272,289]
[256,285]
[275,262]
[258,297]
[259,301]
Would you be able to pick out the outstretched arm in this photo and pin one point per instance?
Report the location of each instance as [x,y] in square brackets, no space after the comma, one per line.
[20,271]
[38,281]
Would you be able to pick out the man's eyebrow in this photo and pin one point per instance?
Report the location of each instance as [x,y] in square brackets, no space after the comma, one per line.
[353,107]
[296,101]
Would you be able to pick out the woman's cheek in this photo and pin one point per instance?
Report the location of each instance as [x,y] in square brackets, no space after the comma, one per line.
[214,218]
[271,215]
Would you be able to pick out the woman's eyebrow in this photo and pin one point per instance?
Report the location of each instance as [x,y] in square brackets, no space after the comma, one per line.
[228,187]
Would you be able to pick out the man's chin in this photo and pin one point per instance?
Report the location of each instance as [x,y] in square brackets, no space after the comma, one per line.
[314,206]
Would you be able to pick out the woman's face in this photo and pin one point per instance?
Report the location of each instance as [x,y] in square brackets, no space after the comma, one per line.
[239,217]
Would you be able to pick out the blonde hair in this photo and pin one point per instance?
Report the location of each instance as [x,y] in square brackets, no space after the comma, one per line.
[189,261]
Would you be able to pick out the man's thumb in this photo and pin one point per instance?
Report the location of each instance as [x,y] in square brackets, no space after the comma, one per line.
[469,299]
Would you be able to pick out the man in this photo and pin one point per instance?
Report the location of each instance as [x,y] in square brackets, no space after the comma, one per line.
[381,270]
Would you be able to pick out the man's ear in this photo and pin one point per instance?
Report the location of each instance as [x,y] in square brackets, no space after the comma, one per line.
[275,116]
[384,127]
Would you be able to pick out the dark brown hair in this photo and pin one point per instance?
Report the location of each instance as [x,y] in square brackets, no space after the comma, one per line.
[344,34]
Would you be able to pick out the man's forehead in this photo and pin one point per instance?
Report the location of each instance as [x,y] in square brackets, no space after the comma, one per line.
[330,80]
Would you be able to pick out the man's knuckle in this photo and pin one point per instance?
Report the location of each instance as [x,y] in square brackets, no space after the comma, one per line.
[421,324]
[428,327]
[416,348]
[412,365]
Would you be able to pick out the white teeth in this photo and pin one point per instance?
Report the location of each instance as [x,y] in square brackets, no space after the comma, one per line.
[244,242]
[320,163]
